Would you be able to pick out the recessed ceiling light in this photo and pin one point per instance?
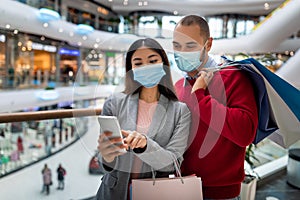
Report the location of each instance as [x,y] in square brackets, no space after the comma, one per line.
[45,25]
[84,37]
[71,34]
[79,43]
[16,31]
[60,30]
[7,26]
[145,3]
[46,15]
[266,6]
[140,3]
[175,12]
[42,38]
[96,45]
[84,29]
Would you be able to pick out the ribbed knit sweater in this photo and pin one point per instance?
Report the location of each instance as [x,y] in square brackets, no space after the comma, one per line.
[224,122]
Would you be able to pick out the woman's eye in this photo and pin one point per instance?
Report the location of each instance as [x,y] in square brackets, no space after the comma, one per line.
[138,64]
[153,61]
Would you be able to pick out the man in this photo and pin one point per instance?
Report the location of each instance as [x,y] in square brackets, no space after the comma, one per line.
[61,172]
[224,112]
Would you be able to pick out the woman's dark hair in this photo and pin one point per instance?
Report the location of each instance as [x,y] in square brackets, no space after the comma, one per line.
[165,85]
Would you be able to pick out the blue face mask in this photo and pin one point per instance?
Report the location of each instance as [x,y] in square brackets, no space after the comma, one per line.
[188,61]
[149,75]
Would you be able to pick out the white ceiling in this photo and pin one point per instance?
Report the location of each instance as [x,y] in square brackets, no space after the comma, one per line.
[200,7]
[24,18]
[272,34]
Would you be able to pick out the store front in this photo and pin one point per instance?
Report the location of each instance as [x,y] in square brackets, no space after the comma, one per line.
[31,61]
[69,59]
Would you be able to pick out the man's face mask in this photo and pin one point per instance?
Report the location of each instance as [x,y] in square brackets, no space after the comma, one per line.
[188,61]
[149,75]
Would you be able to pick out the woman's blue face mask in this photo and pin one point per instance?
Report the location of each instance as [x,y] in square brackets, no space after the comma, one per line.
[149,75]
[188,61]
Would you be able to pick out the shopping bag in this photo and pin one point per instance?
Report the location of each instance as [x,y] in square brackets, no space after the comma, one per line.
[188,187]
[248,189]
[283,101]
[278,103]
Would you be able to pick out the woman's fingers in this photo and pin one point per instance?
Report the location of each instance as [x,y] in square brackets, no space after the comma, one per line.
[108,146]
[135,140]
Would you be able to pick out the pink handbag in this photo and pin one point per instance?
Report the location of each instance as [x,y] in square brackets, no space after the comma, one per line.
[188,187]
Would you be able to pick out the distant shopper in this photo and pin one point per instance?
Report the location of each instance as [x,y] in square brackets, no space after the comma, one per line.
[11,76]
[20,144]
[66,134]
[61,172]
[47,179]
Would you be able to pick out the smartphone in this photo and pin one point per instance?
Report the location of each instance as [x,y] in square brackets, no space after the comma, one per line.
[111,124]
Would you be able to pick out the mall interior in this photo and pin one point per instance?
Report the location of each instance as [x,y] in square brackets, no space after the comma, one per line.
[60,60]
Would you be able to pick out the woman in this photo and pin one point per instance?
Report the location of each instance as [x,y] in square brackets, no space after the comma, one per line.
[155,125]
[47,179]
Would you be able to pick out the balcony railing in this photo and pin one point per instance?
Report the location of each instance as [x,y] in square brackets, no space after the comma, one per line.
[29,137]
[52,114]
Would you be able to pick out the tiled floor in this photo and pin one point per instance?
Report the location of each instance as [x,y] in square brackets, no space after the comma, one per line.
[276,188]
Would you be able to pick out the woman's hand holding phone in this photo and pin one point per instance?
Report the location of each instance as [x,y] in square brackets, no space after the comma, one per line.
[110,147]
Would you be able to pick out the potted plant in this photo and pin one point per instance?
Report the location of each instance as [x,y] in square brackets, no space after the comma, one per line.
[248,188]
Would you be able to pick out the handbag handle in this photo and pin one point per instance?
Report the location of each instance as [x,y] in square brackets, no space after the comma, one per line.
[177,169]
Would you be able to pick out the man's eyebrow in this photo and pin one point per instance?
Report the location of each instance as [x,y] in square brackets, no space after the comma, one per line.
[191,43]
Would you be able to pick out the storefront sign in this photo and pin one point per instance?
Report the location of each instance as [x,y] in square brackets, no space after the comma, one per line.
[38,46]
[70,52]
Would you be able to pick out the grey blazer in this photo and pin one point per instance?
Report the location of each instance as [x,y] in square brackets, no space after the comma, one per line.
[166,141]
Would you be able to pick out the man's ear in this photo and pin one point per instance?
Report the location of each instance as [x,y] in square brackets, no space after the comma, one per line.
[209,44]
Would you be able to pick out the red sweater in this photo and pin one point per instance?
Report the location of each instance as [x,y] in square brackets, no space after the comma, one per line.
[225,119]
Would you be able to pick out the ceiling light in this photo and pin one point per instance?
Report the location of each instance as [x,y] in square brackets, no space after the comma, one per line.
[42,38]
[46,15]
[79,43]
[84,29]
[45,25]
[71,34]
[7,26]
[145,3]
[140,3]
[266,6]
[125,3]
[84,37]
[97,39]
[175,12]
[96,46]
[16,31]
[60,30]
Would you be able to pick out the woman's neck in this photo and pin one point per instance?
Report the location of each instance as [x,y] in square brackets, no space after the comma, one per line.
[150,95]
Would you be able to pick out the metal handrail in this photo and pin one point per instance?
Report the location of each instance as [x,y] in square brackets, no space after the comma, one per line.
[50,114]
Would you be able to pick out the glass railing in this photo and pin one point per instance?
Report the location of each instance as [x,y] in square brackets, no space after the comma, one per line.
[29,137]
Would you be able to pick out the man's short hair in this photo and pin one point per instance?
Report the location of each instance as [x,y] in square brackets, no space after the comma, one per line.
[196,20]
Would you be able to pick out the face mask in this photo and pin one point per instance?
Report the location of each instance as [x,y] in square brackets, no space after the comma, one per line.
[188,61]
[149,75]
